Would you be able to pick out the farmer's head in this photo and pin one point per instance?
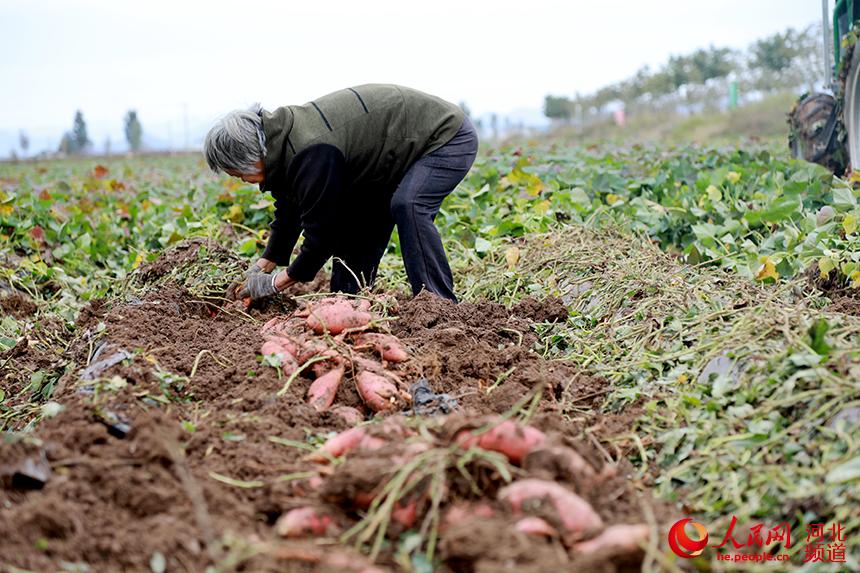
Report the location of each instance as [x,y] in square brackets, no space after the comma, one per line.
[236,145]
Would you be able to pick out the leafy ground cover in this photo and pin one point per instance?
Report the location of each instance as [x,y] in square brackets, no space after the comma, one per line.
[685,272]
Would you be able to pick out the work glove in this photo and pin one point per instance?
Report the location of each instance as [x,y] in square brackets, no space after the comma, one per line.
[258,285]
[253,269]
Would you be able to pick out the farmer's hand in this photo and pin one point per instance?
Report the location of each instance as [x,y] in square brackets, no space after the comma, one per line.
[258,285]
[260,266]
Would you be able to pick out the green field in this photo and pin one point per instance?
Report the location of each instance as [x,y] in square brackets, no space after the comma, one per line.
[711,287]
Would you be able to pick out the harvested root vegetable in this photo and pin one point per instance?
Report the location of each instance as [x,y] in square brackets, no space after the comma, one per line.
[405,512]
[323,390]
[279,345]
[312,348]
[349,414]
[624,538]
[347,441]
[387,345]
[567,461]
[462,512]
[379,393]
[336,317]
[574,513]
[305,487]
[304,522]
[536,526]
[509,438]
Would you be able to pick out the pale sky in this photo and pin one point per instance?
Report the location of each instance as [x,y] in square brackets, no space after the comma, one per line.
[106,56]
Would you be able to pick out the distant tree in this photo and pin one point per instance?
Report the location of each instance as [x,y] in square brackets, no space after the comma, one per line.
[555,107]
[24,142]
[710,63]
[12,155]
[66,144]
[776,53]
[494,125]
[133,130]
[107,145]
[80,139]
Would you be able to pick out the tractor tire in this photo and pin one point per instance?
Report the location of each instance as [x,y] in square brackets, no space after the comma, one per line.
[813,131]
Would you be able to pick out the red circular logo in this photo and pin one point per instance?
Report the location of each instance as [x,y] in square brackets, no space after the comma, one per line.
[682,544]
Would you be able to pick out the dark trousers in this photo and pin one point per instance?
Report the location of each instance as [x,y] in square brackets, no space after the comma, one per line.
[412,207]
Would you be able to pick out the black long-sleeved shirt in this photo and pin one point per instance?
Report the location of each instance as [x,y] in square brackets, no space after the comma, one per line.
[308,201]
[323,156]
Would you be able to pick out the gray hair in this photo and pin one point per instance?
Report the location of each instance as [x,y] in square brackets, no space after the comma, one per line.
[236,142]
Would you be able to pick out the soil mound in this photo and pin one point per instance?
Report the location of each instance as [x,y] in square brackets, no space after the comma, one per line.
[173,447]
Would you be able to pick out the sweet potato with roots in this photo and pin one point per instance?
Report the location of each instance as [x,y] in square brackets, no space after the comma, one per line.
[349,414]
[566,461]
[336,317]
[574,513]
[378,392]
[508,437]
[387,345]
[280,345]
[347,441]
[304,522]
[536,526]
[622,538]
[323,390]
[463,512]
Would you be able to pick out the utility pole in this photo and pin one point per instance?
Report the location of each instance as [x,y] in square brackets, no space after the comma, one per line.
[825,31]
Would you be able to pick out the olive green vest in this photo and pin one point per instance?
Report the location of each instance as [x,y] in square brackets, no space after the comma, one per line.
[380,129]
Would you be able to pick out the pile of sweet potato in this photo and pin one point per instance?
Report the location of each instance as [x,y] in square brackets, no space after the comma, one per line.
[528,501]
[335,339]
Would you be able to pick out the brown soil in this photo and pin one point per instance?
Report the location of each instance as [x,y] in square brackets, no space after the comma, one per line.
[843,298]
[17,305]
[144,457]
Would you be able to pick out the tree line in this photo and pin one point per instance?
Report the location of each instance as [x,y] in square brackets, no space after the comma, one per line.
[77,141]
[785,60]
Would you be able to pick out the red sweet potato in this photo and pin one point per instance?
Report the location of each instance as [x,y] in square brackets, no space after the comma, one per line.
[349,414]
[624,538]
[323,390]
[347,441]
[379,393]
[405,512]
[279,345]
[305,487]
[388,346]
[574,513]
[464,511]
[509,438]
[536,526]
[565,459]
[336,317]
[303,522]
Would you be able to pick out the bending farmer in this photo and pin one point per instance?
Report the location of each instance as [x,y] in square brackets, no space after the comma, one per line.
[344,169]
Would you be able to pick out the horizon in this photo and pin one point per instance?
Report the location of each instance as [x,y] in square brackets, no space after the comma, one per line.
[119,56]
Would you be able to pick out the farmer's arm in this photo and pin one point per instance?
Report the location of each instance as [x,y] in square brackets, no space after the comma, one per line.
[318,178]
[284,233]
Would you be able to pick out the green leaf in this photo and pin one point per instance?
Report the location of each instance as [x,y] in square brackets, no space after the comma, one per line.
[482,245]
[776,212]
[849,223]
[844,197]
[817,332]
[847,471]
